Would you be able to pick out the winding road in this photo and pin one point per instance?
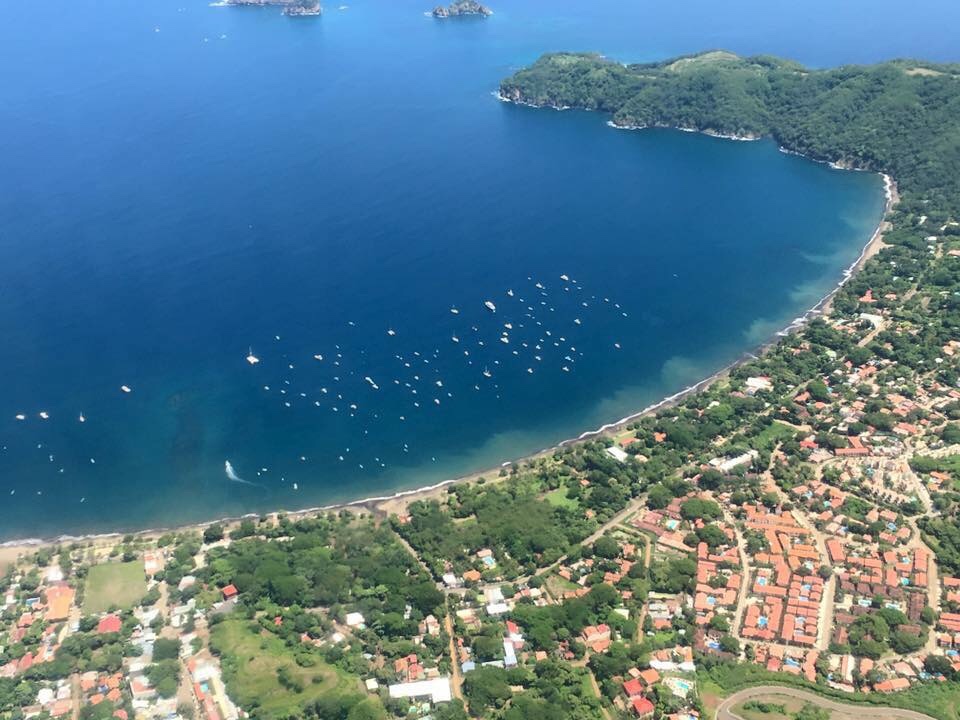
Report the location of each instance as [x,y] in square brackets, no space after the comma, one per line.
[866,711]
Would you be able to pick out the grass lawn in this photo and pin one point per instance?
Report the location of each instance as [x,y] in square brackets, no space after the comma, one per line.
[711,695]
[774,433]
[791,705]
[251,660]
[557,586]
[120,584]
[558,498]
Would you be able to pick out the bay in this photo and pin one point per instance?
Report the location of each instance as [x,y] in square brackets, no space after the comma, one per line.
[183,184]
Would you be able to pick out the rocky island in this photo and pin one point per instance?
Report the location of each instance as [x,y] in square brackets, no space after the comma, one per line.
[293,8]
[460,8]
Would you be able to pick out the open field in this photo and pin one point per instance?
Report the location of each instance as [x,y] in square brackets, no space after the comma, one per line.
[559,498]
[119,584]
[253,662]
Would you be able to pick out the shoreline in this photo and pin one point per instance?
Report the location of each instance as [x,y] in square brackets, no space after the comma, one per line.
[385,505]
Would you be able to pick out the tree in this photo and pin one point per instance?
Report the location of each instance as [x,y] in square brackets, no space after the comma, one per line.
[606,547]
[809,711]
[367,709]
[486,687]
[710,480]
[728,643]
[166,649]
[213,533]
[658,497]
[939,665]
[697,508]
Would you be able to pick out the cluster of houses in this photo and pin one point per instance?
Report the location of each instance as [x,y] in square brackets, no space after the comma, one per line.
[47,614]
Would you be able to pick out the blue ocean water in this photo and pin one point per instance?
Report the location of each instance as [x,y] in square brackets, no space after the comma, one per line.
[184,184]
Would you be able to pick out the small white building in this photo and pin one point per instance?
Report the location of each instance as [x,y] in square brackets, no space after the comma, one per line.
[617,454]
[354,619]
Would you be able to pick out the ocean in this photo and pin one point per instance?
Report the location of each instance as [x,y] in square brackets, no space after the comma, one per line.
[185,186]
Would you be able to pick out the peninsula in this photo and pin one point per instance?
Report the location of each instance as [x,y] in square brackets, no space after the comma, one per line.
[462,8]
[782,543]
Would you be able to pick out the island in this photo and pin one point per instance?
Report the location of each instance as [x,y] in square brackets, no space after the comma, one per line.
[462,8]
[781,541]
[291,8]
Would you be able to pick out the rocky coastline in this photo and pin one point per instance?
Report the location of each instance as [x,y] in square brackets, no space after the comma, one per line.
[461,8]
[291,8]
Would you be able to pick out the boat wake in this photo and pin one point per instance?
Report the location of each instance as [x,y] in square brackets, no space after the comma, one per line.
[233,477]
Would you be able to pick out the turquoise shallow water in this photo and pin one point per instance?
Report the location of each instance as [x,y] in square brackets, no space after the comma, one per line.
[183,184]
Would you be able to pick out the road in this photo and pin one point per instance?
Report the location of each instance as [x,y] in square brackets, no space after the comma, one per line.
[870,712]
[456,680]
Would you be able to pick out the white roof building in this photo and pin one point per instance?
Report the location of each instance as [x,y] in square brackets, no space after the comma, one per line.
[617,454]
[438,690]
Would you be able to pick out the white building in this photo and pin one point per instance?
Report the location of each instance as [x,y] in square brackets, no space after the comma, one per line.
[437,690]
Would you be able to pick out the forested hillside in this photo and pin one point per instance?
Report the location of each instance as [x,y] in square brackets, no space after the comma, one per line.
[900,117]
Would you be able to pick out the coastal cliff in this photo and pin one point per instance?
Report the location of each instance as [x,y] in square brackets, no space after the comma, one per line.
[461,8]
[895,117]
[292,8]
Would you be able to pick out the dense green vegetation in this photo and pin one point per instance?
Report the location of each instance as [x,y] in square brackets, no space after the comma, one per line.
[899,117]
[551,691]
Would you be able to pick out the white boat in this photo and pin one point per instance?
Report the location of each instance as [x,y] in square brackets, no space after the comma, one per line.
[82,418]
[126,388]
[487,373]
[564,278]
[21,417]
[455,339]
[251,358]
[505,340]
[454,311]
[44,415]
[490,306]
[510,293]
[318,357]
[391,332]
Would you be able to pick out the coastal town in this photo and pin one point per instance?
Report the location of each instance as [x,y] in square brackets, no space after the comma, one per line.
[768,529]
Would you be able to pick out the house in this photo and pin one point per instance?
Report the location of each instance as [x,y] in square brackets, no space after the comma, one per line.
[229,592]
[59,599]
[109,624]
[153,562]
[354,619]
[641,707]
[596,637]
